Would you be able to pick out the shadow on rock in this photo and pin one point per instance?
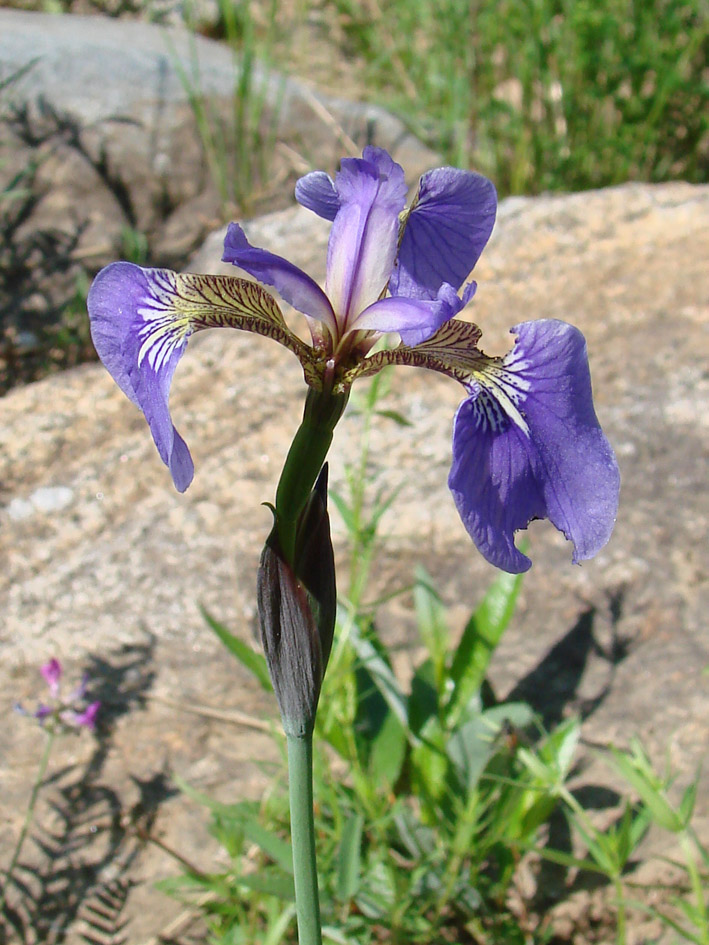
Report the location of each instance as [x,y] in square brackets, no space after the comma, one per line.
[552,686]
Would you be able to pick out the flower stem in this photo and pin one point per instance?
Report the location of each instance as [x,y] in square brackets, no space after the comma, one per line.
[29,815]
[300,789]
[304,462]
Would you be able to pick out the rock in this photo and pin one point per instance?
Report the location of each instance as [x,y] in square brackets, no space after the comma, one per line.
[113,581]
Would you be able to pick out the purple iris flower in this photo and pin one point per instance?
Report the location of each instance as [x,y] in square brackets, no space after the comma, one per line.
[526,441]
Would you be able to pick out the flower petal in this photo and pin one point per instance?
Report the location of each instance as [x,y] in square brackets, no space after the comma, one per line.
[86,718]
[416,320]
[362,245]
[445,232]
[316,192]
[140,335]
[52,673]
[527,444]
[141,320]
[294,285]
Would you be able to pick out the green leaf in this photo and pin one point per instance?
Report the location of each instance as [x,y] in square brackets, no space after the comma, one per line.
[429,761]
[559,747]
[394,415]
[349,858]
[245,815]
[377,898]
[480,638]
[344,509]
[565,859]
[474,741]
[432,625]
[638,772]
[248,657]
[278,930]
[689,799]
[274,847]
[381,674]
[387,752]
[272,882]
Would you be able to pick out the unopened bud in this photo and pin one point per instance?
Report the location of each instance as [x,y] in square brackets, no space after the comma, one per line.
[297,607]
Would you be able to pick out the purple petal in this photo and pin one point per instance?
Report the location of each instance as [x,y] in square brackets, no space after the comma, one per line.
[80,690]
[316,192]
[445,232]
[416,320]
[43,712]
[87,718]
[362,246]
[527,444]
[294,285]
[140,335]
[52,673]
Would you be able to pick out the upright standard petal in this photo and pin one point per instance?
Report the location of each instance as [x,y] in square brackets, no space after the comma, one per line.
[316,191]
[140,335]
[362,246]
[52,672]
[445,232]
[527,444]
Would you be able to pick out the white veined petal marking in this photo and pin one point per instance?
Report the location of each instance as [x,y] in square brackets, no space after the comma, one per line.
[165,326]
[501,394]
[178,304]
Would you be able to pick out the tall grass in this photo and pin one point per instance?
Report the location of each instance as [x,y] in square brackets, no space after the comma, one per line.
[238,144]
[545,94]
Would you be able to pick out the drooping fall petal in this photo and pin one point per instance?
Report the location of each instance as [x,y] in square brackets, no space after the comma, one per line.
[527,444]
[141,320]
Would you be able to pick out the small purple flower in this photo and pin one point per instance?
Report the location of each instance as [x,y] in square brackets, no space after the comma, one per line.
[526,440]
[71,713]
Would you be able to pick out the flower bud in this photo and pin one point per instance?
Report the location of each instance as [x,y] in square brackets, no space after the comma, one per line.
[297,607]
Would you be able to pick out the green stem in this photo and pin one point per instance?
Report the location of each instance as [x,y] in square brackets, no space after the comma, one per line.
[29,815]
[304,462]
[620,922]
[300,789]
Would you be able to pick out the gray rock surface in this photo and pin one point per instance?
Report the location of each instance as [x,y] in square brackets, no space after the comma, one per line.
[110,573]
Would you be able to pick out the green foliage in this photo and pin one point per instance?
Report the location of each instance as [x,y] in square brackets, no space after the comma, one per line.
[429,795]
[545,94]
[237,144]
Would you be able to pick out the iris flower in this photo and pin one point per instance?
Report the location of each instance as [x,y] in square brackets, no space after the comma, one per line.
[526,441]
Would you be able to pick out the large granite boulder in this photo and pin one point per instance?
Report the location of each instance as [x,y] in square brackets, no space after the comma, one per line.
[105,566]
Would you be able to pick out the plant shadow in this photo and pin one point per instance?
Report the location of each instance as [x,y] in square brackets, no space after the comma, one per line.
[77,864]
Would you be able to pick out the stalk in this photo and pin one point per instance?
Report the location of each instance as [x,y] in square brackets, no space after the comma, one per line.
[304,462]
[300,790]
[29,815]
